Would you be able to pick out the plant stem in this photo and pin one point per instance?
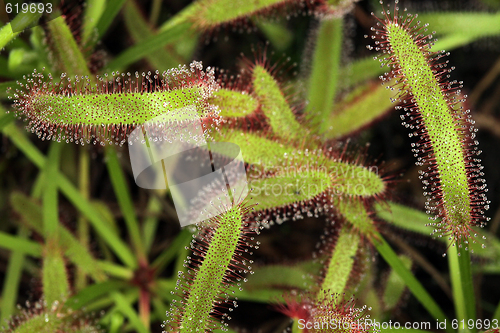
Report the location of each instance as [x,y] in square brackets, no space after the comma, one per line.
[463,289]
[83,225]
[295,327]
[144,306]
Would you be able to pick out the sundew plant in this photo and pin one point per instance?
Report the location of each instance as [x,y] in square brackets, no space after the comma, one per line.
[327,215]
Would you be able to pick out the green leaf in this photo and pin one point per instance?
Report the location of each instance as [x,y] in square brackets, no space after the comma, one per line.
[170,35]
[50,209]
[356,214]
[207,14]
[358,111]
[277,33]
[462,284]
[93,292]
[106,18]
[395,285]
[42,323]
[274,105]
[360,71]
[92,14]
[208,283]
[69,190]
[461,28]
[410,280]
[66,50]
[234,104]
[129,312]
[162,58]
[25,246]
[340,264]
[54,278]
[31,213]
[323,81]
[122,193]
[13,277]
[416,221]
[19,23]
[282,277]
[275,156]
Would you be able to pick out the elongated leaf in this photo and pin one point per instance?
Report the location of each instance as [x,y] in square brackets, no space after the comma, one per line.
[22,21]
[140,31]
[13,278]
[55,278]
[122,193]
[411,282]
[112,9]
[324,77]
[274,105]
[76,252]
[416,221]
[14,243]
[68,189]
[128,311]
[140,50]
[362,108]
[66,49]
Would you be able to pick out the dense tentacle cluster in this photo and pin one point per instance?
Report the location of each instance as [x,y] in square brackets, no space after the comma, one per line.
[326,315]
[220,258]
[39,317]
[432,110]
[77,110]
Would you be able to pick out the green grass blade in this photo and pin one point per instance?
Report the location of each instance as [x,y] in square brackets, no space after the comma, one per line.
[139,31]
[112,9]
[150,223]
[13,278]
[21,22]
[395,285]
[358,111]
[125,202]
[283,277]
[25,246]
[49,199]
[93,12]
[142,49]
[69,190]
[31,213]
[54,275]
[411,282]
[324,78]
[496,314]
[93,292]
[467,26]
[126,309]
[181,240]
[414,220]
